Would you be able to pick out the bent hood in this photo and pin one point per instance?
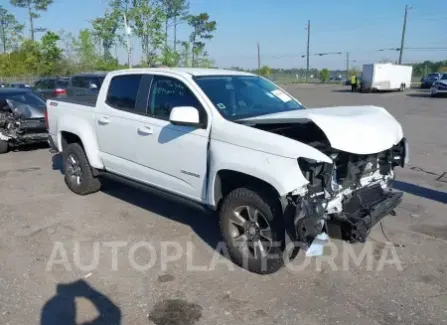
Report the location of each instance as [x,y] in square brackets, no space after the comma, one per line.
[355,129]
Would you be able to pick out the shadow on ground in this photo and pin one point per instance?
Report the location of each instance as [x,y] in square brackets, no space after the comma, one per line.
[62,308]
[57,163]
[421,191]
[347,90]
[203,223]
[30,147]
[419,94]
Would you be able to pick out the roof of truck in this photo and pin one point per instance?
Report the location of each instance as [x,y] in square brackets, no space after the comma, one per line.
[192,71]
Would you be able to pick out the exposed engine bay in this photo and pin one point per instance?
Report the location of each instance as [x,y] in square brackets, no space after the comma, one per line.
[354,191]
[21,124]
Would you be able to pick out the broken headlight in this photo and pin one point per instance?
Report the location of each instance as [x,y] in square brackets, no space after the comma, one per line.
[400,154]
[319,175]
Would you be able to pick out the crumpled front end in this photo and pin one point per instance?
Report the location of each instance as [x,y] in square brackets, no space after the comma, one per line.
[17,130]
[354,192]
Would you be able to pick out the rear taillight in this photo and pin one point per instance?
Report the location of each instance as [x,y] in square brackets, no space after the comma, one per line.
[59,91]
[46,117]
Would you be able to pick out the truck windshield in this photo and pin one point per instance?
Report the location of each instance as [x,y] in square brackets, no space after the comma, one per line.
[237,97]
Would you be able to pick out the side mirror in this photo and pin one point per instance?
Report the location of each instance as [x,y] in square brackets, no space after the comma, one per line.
[93,86]
[185,115]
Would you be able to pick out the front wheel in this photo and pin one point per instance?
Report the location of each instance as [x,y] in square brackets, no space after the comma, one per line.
[78,173]
[251,224]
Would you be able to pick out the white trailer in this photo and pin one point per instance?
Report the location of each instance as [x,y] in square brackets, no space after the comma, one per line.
[386,76]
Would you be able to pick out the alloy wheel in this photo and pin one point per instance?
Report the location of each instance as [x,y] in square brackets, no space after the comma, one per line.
[74,170]
[250,232]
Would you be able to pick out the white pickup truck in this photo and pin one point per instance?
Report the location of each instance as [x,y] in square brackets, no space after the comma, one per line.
[234,142]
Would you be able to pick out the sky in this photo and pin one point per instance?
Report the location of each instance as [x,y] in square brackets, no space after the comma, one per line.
[359,27]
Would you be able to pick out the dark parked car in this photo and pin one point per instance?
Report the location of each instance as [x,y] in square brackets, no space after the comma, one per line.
[51,87]
[85,83]
[19,85]
[439,87]
[22,118]
[428,80]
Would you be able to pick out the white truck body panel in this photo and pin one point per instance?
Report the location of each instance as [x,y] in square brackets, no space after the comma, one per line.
[386,76]
[356,129]
[185,160]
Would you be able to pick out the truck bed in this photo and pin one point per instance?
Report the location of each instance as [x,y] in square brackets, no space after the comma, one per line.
[86,100]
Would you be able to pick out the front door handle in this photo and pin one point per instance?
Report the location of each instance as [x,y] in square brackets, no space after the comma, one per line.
[145,130]
[103,120]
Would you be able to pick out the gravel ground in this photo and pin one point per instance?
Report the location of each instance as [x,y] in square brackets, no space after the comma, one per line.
[402,282]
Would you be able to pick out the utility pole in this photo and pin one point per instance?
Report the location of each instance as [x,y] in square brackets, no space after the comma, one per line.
[308,46]
[347,65]
[175,34]
[259,60]
[402,41]
[129,45]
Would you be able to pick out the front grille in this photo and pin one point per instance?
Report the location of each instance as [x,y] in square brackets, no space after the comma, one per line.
[363,199]
[350,168]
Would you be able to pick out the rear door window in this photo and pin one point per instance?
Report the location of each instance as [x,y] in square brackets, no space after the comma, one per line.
[62,83]
[75,81]
[41,84]
[51,84]
[123,92]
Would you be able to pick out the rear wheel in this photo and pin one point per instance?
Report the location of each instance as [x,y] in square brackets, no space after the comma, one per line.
[252,226]
[78,173]
[4,146]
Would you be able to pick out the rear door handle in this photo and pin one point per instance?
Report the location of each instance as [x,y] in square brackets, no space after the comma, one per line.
[145,130]
[103,120]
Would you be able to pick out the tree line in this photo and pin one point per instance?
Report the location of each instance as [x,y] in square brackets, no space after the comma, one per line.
[96,47]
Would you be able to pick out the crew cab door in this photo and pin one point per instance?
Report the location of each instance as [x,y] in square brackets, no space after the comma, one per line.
[117,119]
[175,156]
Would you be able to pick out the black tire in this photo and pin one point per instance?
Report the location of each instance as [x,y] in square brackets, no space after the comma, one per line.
[4,147]
[88,183]
[270,207]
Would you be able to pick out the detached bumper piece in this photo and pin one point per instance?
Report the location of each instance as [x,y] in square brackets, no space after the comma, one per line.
[364,209]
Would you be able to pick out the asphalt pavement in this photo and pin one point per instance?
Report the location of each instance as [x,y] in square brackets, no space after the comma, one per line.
[124,256]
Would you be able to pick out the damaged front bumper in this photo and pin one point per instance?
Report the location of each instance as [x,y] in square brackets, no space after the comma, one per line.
[359,212]
[364,209]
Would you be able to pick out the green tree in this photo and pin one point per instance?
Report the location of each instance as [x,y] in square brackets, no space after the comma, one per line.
[28,58]
[33,7]
[176,11]
[104,28]
[324,75]
[170,57]
[50,52]
[202,29]
[265,71]
[185,54]
[67,38]
[10,29]
[147,20]
[85,50]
